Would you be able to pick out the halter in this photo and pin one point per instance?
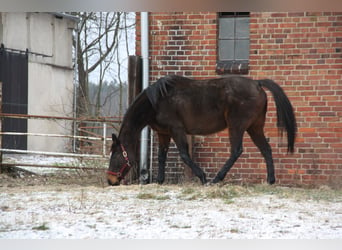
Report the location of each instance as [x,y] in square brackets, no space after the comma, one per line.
[124,166]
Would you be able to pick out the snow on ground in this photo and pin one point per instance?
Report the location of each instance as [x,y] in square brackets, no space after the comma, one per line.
[166,212]
[40,159]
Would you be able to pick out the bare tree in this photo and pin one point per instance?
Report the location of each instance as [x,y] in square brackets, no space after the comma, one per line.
[97,44]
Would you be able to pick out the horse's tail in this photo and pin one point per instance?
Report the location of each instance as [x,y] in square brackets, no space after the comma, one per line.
[286,119]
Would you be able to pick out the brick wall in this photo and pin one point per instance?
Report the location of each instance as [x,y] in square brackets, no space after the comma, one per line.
[182,44]
[300,51]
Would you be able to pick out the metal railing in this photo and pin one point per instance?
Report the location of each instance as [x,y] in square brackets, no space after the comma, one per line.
[78,128]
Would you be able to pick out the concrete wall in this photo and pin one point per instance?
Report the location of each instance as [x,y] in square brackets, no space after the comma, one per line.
[50,75]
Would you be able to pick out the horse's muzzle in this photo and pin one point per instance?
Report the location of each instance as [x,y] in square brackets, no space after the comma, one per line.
[113,180]
[113,184]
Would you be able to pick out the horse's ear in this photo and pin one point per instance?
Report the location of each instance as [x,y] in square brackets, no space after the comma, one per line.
[115,139]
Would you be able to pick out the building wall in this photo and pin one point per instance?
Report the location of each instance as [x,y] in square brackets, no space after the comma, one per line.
[50,75]
[302,52]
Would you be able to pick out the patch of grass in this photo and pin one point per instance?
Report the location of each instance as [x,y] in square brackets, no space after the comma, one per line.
[234,231]
[180,227]
[227,192]
[228,201]
[220,193]
[190,197]
[190,193]
[163,197]
[42,227]
[150,196]
[316,194]
[224,192]
[324,194]
[5,208]
[188,190]
[91,226]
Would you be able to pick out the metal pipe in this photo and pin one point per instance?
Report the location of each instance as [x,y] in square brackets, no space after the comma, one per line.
[145,83]
[11,164]
[74,125]
[85,119]
[51,153]
[58,135]
[104,138]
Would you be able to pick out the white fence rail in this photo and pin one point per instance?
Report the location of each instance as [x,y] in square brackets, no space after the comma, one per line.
[94,137]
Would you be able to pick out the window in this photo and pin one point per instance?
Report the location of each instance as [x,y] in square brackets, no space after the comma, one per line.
[233,43]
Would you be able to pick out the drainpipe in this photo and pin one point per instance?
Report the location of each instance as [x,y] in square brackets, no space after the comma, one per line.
[145,84]
[74,125]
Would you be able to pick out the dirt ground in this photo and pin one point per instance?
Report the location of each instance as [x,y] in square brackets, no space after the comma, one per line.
[80,205]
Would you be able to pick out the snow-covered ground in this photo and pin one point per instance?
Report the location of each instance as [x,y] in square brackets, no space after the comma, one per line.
[52,161]
[41,160]
[167,212]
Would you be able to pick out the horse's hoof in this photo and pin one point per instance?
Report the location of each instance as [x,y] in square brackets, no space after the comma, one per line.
[203,180]
[215,180]
[211,184]
[271,181]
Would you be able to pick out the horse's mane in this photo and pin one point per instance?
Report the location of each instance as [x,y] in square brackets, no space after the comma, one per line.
[162,87]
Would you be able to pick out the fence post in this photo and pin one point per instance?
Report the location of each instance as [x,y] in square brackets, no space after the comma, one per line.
[134,88]
[134,77]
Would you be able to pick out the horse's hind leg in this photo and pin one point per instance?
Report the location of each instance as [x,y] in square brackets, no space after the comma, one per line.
[164,142]
[257,134]
[236,136]
[179,137]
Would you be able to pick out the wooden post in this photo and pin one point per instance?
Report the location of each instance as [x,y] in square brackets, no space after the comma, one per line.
[134,88]
[134,77]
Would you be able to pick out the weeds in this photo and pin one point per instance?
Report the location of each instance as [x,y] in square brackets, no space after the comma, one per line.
[188,190]
[234,231]
[317,194]
[150,196]
[180,227]
[225,192]
[228,192]
[42,227]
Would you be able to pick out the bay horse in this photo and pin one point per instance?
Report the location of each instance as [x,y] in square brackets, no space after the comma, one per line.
[175,106]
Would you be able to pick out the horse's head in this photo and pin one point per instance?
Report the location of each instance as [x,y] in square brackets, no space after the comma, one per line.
[119,164]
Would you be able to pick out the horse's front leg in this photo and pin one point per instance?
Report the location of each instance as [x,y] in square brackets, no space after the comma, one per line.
[164,142]
[179,137]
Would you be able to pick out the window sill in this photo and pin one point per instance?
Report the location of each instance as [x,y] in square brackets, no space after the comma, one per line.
[232,67]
